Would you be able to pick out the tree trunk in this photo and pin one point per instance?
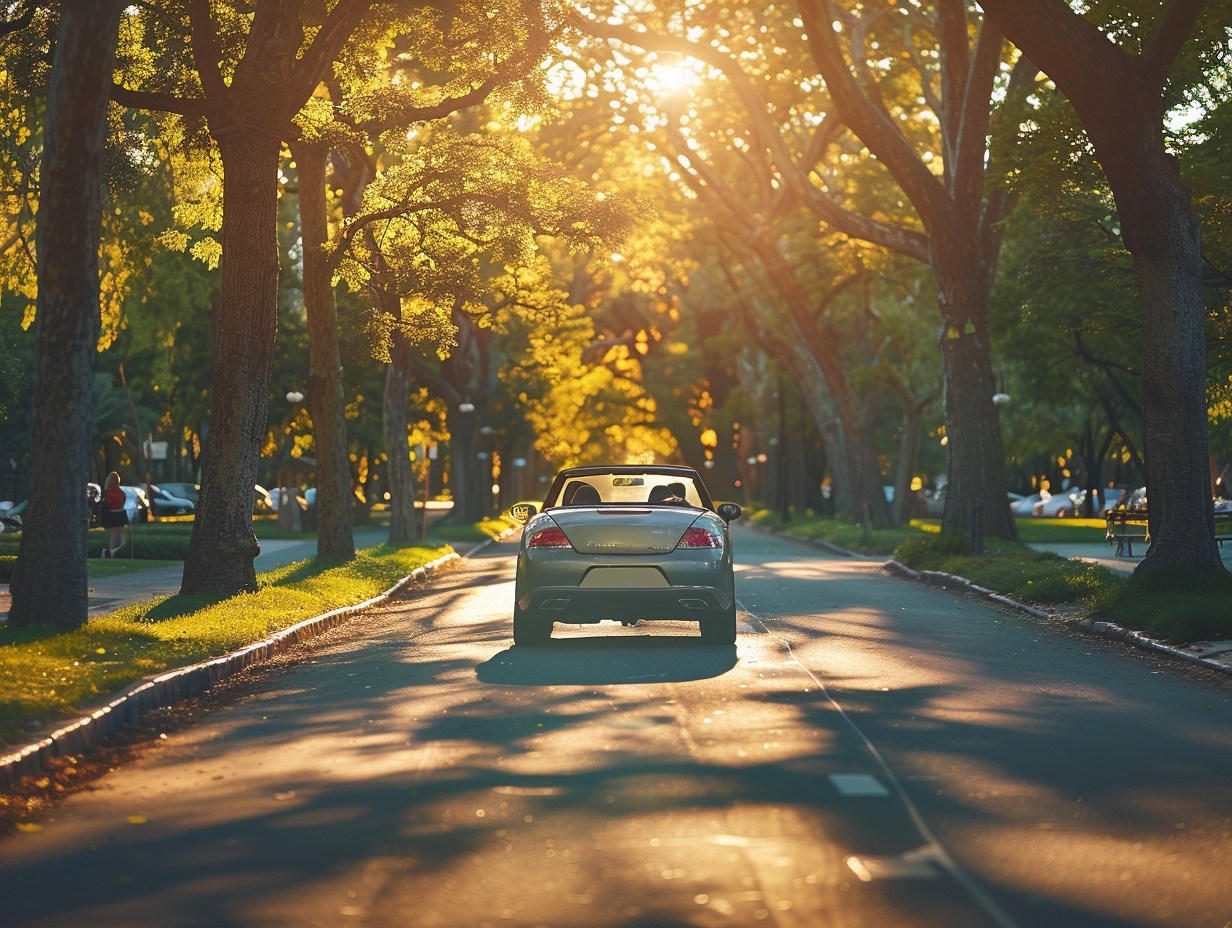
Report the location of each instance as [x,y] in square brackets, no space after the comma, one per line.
[976,458]
[1168,261]
[975,469]
[335,511]
[471,491]
[49,580]
[827,391]
[1120,99]
[403,528]
[908,454]
[223,546]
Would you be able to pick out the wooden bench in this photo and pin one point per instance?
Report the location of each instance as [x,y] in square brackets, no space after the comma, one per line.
[1125,526]
[1223,527]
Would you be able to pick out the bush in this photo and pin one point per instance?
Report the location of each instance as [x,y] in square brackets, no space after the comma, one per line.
[1013,570]
[1171,605]
[930,552]
[6,568]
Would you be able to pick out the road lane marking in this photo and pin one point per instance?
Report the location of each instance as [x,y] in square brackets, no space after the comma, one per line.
[938,853]
[858,785]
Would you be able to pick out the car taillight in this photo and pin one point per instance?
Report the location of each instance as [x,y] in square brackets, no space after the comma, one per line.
[548,538]
[700,538]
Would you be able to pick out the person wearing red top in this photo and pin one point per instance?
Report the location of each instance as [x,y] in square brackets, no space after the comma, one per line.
[114,516]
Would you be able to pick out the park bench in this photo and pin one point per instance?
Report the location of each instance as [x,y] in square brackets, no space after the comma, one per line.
[1125,526]
[1223,527]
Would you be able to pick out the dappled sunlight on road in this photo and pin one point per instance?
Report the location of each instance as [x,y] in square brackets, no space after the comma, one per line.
[414,767]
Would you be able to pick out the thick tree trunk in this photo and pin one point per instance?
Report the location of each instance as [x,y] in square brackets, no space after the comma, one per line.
[223,546]
[335,515]
[975,471]
[976,457]
[1168,261]
[49,580]
[1120,99]
[400,478]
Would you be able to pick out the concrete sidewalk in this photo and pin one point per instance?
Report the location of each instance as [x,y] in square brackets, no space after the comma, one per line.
[1104,554]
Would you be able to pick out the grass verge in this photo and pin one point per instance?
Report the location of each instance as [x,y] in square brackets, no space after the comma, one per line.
[48,675]
[844,534]
[1171,607]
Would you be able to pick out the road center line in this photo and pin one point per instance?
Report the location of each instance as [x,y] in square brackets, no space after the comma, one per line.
[933,849]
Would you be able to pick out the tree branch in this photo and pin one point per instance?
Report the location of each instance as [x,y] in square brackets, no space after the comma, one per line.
[162,102]
[1164,44]
[903,241]
[207,54]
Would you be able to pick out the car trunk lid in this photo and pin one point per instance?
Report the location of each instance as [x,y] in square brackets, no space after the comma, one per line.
[620,530]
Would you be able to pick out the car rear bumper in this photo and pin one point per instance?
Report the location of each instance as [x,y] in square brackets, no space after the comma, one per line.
[585,605]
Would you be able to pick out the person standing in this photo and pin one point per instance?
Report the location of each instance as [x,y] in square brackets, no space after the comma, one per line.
[114,515]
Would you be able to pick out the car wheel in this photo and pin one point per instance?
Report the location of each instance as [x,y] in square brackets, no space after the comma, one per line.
[529,632]
[721,630]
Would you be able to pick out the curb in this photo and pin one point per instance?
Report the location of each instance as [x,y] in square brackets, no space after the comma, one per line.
[183,683]
[1103,629]
[1145,643]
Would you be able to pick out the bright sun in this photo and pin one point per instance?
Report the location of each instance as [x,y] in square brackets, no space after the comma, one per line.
[673,76]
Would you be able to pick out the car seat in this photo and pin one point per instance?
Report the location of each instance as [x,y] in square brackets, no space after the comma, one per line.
[668,493]
[581,494]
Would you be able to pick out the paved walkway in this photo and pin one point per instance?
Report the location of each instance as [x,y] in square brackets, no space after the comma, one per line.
[1099,552]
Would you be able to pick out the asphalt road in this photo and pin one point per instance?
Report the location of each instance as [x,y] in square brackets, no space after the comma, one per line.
[872,753]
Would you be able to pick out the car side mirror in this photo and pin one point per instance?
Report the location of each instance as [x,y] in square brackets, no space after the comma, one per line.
[521,512]
[729,512]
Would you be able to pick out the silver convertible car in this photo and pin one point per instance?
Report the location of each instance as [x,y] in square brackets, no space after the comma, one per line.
[625,543]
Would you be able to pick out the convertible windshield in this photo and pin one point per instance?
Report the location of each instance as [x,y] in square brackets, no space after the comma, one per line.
[583,489]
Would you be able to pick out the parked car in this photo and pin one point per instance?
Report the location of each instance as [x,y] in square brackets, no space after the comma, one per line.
[1060,505]
[10,518]
[136,504]
[188,491]
[164,503]
[1026,505]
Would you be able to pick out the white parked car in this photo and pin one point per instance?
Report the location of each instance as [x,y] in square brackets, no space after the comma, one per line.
[1026,505]
[1060,505]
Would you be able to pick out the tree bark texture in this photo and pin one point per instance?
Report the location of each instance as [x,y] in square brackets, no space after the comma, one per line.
[49,584]
[223,546]
[1119,99]
[975,455]
[335,515]
[975,469]
[403,527]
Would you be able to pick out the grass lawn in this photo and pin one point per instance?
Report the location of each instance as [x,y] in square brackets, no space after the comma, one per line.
[1060,531]
[48,675]
[97,569]
[1180,609]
